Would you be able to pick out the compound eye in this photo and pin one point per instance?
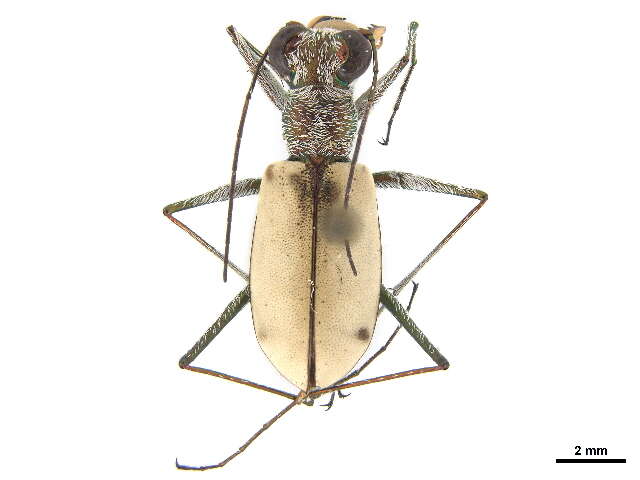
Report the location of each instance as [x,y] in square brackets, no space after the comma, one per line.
[285,41]
[358,55]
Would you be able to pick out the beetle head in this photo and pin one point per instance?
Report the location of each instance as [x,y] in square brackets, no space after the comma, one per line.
[329,52]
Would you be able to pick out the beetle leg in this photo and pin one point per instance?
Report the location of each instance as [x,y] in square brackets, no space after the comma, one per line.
[381,350]
[396,106]
[391,303]
[409,181]
[251,55]
[243,188]
[297,400]
[229,314]
[388,78]
[329,404]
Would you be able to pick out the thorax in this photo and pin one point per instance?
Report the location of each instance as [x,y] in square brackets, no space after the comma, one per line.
[319,120]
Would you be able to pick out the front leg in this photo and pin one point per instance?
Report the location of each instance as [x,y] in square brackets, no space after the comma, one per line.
[388,78]
[251,55]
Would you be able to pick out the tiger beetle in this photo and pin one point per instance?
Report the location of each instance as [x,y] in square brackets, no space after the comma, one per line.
[314,283]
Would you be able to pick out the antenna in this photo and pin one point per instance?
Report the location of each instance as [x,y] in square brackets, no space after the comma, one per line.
[356,152]
[234,168]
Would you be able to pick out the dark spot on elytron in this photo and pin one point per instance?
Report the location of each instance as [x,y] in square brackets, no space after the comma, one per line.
[268,174]
[340,224]
[363,334]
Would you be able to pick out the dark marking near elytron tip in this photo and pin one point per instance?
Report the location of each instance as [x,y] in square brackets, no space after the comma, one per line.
[363,334]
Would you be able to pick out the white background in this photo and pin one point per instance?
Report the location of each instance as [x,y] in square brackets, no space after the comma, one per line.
[111,110]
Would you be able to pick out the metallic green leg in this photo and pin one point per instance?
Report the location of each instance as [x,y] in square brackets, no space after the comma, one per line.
[237,304]
[382,349]
[398,311]
[249,186]
[409,181]
[229,314]
[413,330]
[243,188]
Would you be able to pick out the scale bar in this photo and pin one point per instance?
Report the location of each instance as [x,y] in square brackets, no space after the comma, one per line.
[591,460]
